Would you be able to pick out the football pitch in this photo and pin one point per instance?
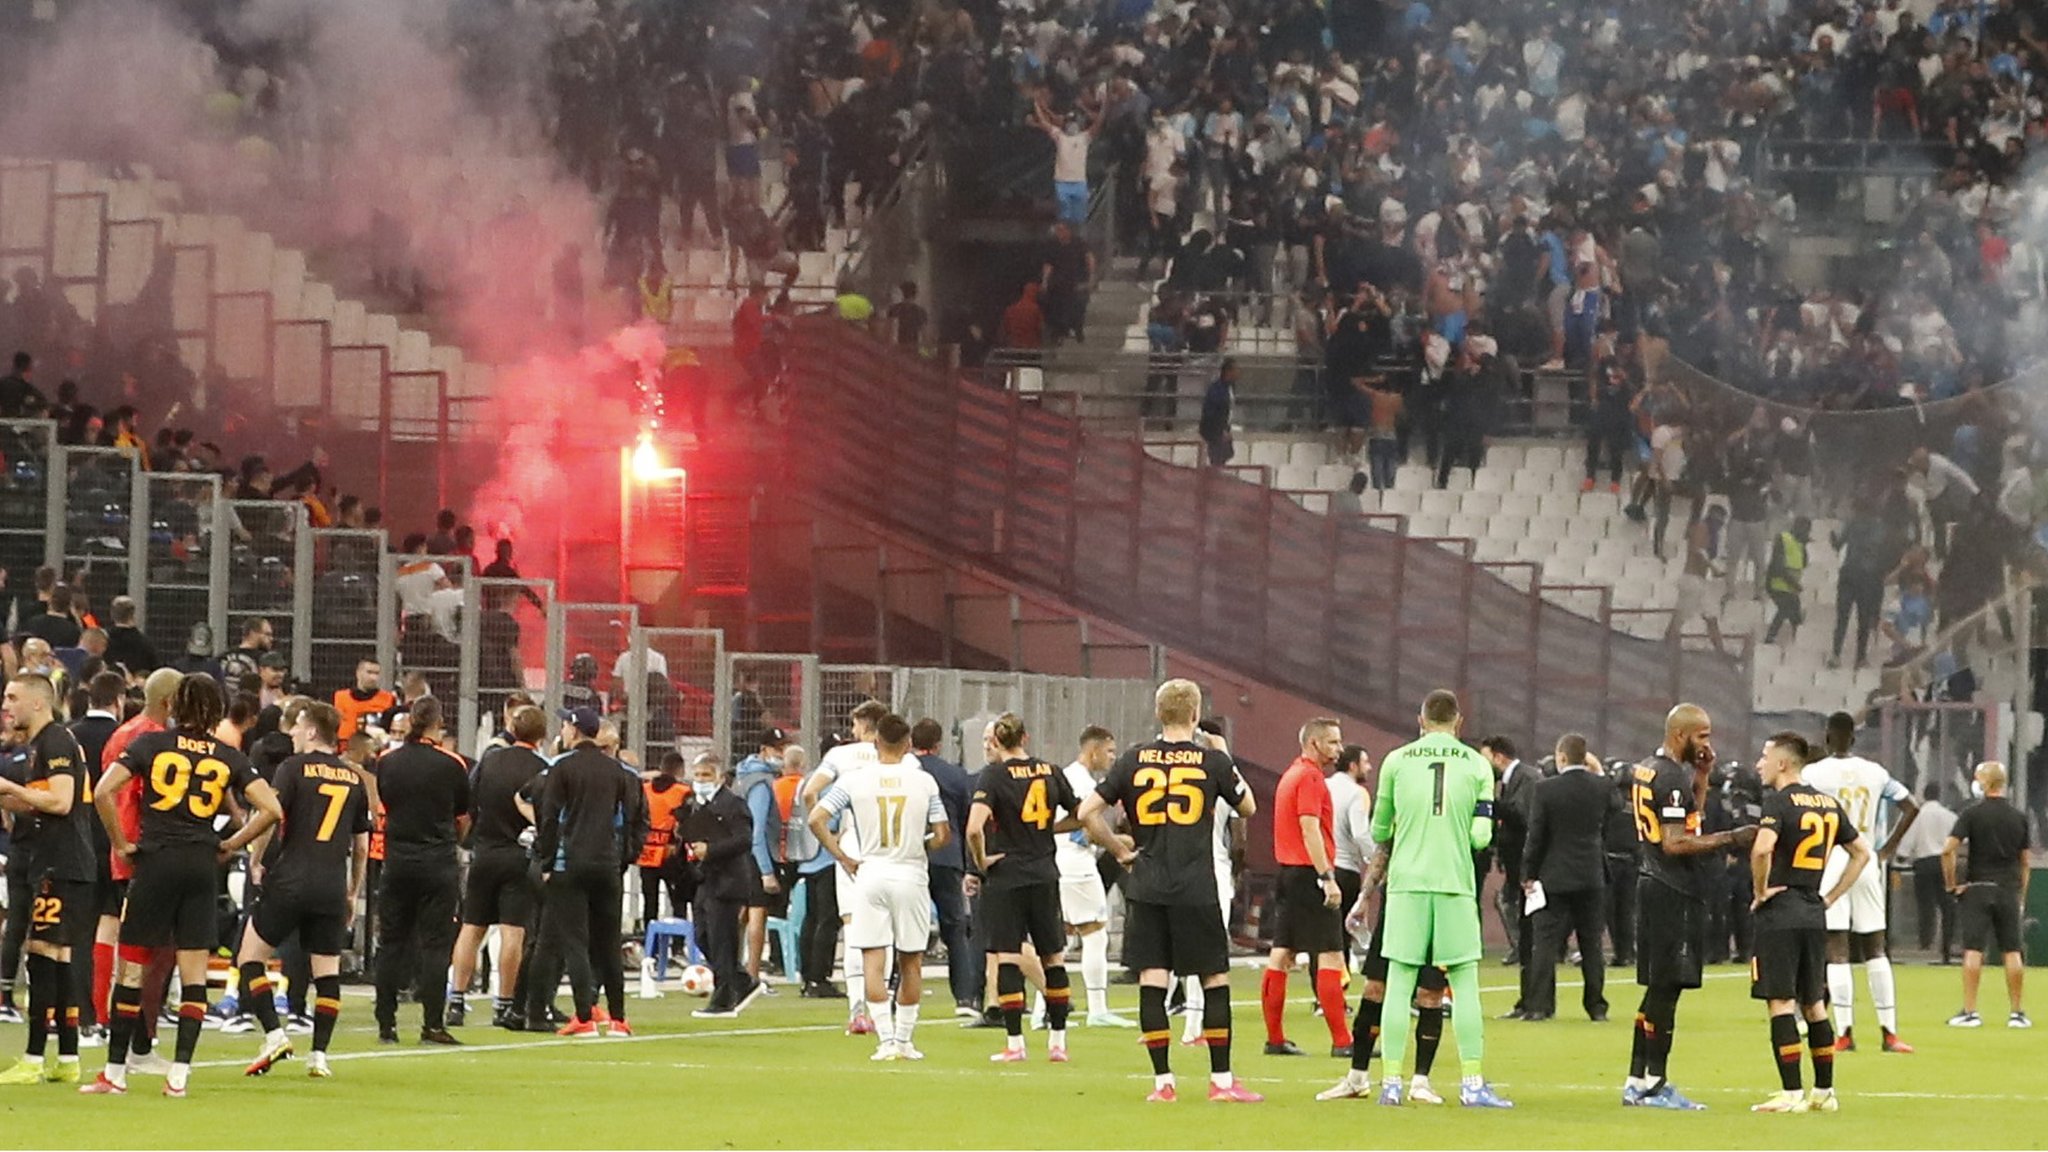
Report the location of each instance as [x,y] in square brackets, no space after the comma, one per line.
[784,1076]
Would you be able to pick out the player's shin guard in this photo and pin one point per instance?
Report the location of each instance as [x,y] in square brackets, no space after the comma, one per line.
[1216,1031]
[1785,1048]
[1883,992]
[64,1012]
[1470,1026]
[42,1002]
[1330,994]
[1820,1038]
[191,1017]
[1273,1003]
[1095,969]
[1394,1025]
[326,1009]
[1365,1032]
[1010,996]
[126,1015]
[1153,1027]
[1842,994]
[1429,1036]
[1059,998]
[1663,1018]
[103,982]
[258,995]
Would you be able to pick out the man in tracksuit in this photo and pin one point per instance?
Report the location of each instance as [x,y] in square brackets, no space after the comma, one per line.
[588,827]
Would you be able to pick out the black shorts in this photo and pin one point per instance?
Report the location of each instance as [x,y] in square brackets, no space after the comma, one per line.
[499,890]
[109,893]
[757,893]
[173,901]
[1671,938]
[1349,884]
[1989,915]
[1029,912]
[1185,939]
[321,925]
[1429,979]
[62,912]
[1304,923]
[1790,964]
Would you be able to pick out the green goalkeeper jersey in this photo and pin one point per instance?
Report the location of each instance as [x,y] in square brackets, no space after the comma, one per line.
[1435,803]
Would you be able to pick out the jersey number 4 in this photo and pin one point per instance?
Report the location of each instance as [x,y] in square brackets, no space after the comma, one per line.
[1177,797]
[1820,829]
[199,787]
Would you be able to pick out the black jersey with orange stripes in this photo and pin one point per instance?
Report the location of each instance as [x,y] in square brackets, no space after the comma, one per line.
[1025,797]
[186,780]
[50,846]
[1661,792]
[326,803]
[1809,824]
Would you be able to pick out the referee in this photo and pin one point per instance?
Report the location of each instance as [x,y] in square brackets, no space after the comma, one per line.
[425,793]
[589,825]
[1305,847]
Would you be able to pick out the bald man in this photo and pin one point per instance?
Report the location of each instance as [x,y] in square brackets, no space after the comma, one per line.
[1667,794]
[1991,899]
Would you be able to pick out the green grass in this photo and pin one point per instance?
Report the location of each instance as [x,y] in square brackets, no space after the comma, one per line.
[784,1076]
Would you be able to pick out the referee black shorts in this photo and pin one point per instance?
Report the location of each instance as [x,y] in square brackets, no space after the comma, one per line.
[1671,939]
[172,899]
[1429,979]
[1988,917]
[1185,939]
[1027,912]
[499,890]
[1790,964]
[1304,922]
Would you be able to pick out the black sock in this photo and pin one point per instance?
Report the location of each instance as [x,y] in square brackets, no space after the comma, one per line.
[1786,1049]
[326,1008]
[1365,1032]
[191,1017]
[1663,1020]
[1059,998]
[1216,1027]
[63,1011]
[1820,1036]
[1154,1028]
[126,1007]
[259,995]
[42,1000]
[1010,994]
[1429,1036]
[1639,1055]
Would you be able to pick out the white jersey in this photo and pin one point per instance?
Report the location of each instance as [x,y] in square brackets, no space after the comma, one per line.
[1862,786]
[889,808]
[841,763]
[1073,851]
[1351,815]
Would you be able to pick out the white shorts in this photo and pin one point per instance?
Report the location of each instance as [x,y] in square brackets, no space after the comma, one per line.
[890,910]
[1860,910]
[842,887]
[1226,894]
[1083,900]
[1697,596]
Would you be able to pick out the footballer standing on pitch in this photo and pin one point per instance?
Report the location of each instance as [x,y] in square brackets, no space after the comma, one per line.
[1170,790]
[1010,836]
[186,775]
[311,874]
[53,847]
[1799,830]
[1667,794]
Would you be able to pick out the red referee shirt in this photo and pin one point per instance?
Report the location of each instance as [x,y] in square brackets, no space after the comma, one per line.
[1303,792]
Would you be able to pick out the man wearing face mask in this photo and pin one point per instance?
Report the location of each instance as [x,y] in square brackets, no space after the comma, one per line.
[717,832]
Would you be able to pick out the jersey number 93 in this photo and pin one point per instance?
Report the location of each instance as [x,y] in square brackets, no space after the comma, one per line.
[200,787]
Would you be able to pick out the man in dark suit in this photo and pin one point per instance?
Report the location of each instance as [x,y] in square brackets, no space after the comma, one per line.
[1516,783]
[949,870]
[1566,854]
[718,835]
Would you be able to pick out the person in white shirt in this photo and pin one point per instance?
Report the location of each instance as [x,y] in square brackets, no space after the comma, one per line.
[1351,821]
[1084,902]
[1071,139]
[895,818]
[424,589]
[1856,924]
[841,762]
[1229,843]
[1921,847]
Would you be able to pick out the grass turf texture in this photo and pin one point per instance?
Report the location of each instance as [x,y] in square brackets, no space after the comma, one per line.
[783,1076]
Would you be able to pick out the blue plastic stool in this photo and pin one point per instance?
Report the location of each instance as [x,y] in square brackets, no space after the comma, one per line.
[659,932]
[786,928]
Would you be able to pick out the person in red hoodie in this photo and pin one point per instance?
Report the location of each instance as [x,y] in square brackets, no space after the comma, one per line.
[154,717]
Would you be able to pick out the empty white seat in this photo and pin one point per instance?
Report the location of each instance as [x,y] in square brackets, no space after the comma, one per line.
[1186,455]
[1643,570]
[1493,478]
[1317,502]
[1607,569]
[1308,453]
[1566,567]
[1508,526]
[1438,502]
[1520,504]
[1559,503]
[1493,549]
[1468,525]
[1270,453]
[1534,481]
[1620,548]
[1543,458]
[1601,503]
[1396,501]
[1331,477]
[1425,524]
[1294,477]
[1415,476]
[1027,378]
[1555,529]
[1479,503]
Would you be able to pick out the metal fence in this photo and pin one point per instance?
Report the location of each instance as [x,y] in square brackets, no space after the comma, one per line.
[685,708]
[95,488]
[175,536]
[269,545]
[357,618]
[436,633]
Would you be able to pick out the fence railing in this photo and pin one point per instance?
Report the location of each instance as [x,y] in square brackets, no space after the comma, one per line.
[1345,610]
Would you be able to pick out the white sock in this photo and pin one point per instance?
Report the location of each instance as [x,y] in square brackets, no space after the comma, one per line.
[71,1059]
[116,1074]
[1162,1080]
[906,1022]
[1057,1038]
[1883,992]
[878,1011]
[854,978]
[1193,1014]
[1014,1043]
[180,1073]
[1222,1079]
[1842,990]
[275,1036]
[1095,970]
[1639,1083]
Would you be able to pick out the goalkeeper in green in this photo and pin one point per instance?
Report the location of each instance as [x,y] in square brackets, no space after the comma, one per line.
[1433,811]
